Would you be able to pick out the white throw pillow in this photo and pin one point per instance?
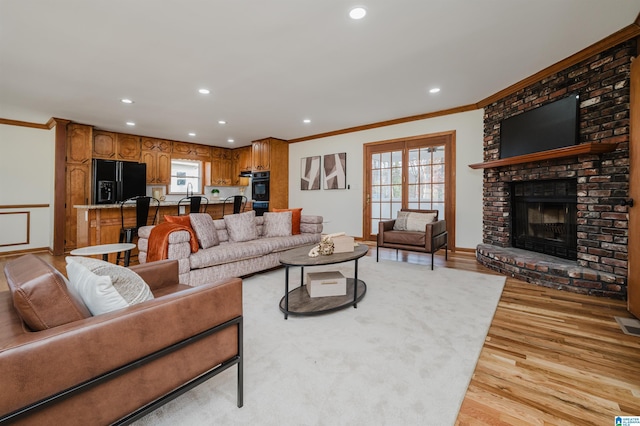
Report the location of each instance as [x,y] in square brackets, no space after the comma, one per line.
[418,221]
[241,226]
[277,224]
[105,287]
[413,221]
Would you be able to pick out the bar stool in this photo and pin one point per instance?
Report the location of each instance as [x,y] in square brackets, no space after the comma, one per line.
[194,202]
[143,204]
[239,202]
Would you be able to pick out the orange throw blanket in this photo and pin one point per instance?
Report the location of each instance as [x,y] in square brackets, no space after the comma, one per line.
[159,240]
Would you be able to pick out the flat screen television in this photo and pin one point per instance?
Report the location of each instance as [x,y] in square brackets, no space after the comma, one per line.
[551,126]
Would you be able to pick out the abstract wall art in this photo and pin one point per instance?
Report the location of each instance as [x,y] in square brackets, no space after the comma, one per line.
[310,173]
[335,171]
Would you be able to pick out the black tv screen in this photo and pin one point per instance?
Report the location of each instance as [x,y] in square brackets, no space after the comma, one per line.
[551,126]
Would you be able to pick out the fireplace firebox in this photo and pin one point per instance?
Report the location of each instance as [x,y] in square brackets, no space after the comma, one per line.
[544,217]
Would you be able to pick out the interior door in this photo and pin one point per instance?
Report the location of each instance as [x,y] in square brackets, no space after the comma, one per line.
[633,280]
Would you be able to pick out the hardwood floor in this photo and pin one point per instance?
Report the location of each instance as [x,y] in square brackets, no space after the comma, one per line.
[550,357]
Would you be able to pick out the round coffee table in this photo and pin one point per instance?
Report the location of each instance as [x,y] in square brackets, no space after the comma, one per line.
[298,301]
[103,249]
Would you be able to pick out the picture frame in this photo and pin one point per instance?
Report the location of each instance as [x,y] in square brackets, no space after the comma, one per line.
[335,171]
[310,173]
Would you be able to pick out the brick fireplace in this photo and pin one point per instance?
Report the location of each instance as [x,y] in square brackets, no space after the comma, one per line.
[601,182]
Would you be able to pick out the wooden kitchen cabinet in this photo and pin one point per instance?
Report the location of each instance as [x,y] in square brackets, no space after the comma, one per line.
[104,145]
[79,143]
[116,146]
[261,155]
[158,167]
[156,154]
[158,145]
[221,167]
[272,155]
[190,151]
[77,177]
[128,147]
[241,162]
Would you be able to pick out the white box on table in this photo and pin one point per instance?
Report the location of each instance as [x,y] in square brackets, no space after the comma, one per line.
[342,244]
[322,284]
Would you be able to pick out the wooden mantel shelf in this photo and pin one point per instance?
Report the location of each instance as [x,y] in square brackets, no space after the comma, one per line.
[570,151]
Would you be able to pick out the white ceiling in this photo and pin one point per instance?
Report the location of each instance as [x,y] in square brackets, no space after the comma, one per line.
[271,64]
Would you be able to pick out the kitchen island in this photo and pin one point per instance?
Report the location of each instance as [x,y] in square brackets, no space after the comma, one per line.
[101,223]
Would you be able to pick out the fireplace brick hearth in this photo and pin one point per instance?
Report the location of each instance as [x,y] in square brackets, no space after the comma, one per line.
[602,83]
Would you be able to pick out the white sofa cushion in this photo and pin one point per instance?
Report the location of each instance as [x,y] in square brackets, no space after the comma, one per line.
[205,230]
[241,226]
[277,224]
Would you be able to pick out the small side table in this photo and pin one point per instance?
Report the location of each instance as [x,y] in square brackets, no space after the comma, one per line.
[103,249]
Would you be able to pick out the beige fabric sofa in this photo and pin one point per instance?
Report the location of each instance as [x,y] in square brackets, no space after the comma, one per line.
[231,258]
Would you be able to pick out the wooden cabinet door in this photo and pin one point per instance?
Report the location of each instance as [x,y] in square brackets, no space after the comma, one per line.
[163,170]
[181,149]
[128,147]
[79,143]
[226,168]
[245,159]
[104,145]
[152,144]
[151,160]
[201,151]
[260,154]
[78,183]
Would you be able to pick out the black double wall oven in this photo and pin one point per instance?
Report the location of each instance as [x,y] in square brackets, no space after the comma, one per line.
[260,192]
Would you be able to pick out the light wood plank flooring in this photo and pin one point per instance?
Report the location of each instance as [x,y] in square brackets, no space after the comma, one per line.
[550,357]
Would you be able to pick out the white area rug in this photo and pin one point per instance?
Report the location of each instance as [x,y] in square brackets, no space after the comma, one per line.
[405,356]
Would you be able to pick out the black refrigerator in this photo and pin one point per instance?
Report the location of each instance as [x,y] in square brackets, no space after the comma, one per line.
[115,181]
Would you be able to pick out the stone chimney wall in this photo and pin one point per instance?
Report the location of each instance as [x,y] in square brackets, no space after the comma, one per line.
[602,82]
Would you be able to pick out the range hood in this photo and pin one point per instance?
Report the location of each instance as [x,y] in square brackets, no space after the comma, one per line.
[245,174]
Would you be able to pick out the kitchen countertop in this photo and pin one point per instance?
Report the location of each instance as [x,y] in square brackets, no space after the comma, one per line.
[130,205]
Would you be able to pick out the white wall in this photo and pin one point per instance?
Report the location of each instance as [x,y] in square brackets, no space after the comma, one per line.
[26,178]
[342,209]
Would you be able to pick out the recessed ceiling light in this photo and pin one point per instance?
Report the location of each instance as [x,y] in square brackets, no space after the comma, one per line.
[204,91]
[306,121]
[230,140]
[222,122]
[192,134]
[130,123]
[434,90]
[357,13]
[126,101]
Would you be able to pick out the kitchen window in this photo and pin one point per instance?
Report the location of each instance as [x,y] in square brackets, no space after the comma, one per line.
[186,177]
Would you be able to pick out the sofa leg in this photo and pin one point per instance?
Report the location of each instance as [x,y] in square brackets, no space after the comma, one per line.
[432,260]
[240,363]
[377,252]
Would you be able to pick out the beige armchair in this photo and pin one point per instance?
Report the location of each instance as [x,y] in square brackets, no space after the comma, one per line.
[433,238]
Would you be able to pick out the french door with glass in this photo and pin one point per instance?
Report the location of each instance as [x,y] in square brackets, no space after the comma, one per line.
[415,173]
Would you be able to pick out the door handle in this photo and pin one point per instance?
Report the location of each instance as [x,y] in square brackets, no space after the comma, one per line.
[626,202]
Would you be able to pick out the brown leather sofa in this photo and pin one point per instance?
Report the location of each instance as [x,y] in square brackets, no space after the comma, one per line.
[79,369]
[433,238]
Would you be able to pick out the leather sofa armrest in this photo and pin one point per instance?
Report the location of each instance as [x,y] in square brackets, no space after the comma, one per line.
[158,274]
[386,225]
[434,229]
[37,365]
